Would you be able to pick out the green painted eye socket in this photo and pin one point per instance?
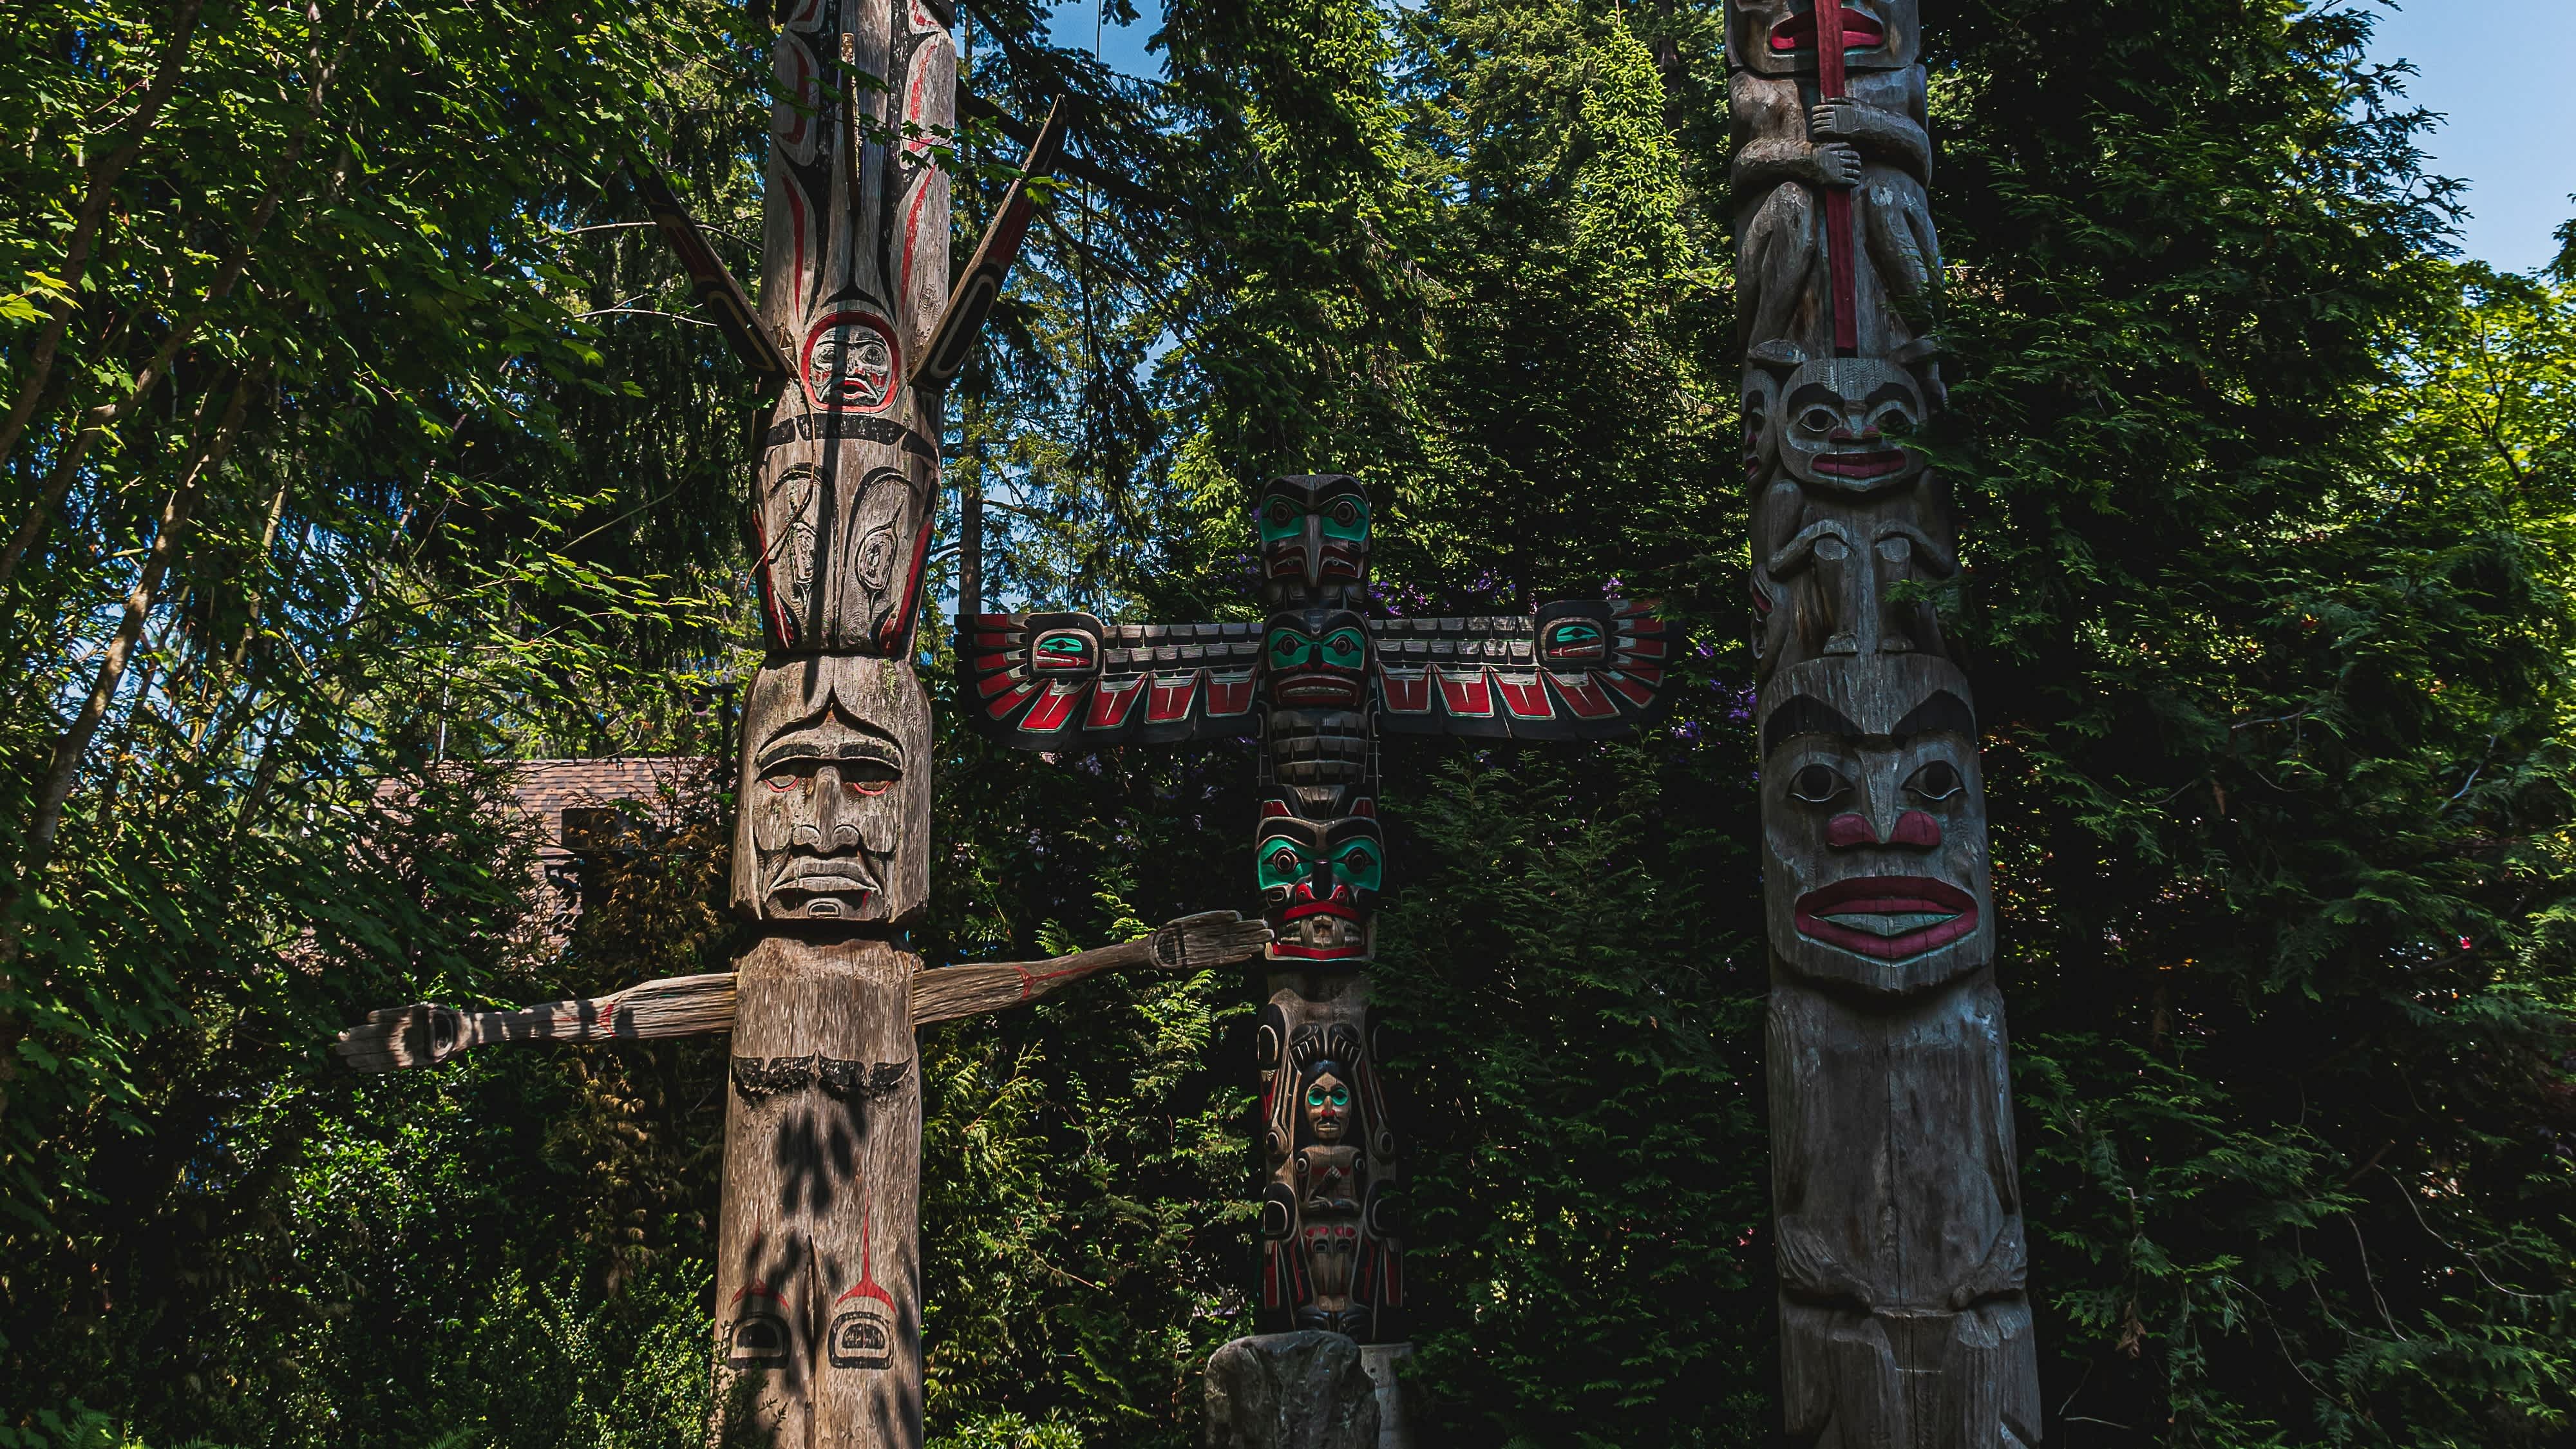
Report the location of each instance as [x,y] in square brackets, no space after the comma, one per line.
[1288,648]
[1348,519]
[1359,864]
[1577,636]
[1281,519]
[1345,648]
[1282,864]
[1319,1094]
[1063,649]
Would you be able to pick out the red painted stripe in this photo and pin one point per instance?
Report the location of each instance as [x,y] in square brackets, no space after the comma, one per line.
[1526,701]
[1470,696]
[1055,709]
[1582,694]
[1173,697]
[1111,703]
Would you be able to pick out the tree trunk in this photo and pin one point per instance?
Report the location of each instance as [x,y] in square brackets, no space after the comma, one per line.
[818,1264]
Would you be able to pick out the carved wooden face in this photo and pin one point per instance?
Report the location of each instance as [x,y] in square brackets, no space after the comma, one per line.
[850,362]
[1778,37]
[835,817]
[1319,885]
[1327,1104]
[1874,816]
[1314,530]
[1843,423]
[1315,659]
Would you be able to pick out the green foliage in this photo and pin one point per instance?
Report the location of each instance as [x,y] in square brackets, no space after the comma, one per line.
[2267,512]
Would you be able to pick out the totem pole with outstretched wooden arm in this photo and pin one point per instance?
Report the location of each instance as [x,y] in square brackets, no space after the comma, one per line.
[818,1282]
[1905,1313]
[1316,682]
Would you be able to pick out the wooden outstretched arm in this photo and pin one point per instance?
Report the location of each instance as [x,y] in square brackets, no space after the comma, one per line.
[425,1034]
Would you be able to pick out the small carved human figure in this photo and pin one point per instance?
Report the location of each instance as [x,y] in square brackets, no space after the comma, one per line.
[1792,147]
[1845,512]
[1328,1167]
[1329,1243]
[835,808]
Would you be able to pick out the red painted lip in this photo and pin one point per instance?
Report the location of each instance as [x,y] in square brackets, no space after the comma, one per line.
[1911,895]
[1303,909]
[1863,465]
[1284,951]
[1316,688]
[1799,32]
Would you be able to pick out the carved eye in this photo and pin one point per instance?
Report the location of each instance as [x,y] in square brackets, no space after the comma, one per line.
[1286,862]
[1895,420]
[782,781]
[1341,1096]
[1345,648]
[1346,512]
[1938,780]
[1288,647]
[868,777]
[1819,420]
[1282,511]
[1818,784]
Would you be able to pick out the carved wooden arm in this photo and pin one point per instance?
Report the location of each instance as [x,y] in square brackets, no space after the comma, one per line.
[426,1034]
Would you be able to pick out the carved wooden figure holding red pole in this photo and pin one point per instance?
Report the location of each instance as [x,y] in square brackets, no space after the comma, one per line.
[818,1288]
[1905,1314]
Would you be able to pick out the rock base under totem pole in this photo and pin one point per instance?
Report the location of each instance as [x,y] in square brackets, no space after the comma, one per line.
[1307,1390]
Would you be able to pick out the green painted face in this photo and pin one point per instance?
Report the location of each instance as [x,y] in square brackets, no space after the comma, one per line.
[1287,863]
[1342,649]
[1282,521]
[1347,518]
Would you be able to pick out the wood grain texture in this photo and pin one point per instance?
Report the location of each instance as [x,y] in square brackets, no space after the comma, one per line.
[1902,1252]
[818,1281]
[426,1034]
[1193,943]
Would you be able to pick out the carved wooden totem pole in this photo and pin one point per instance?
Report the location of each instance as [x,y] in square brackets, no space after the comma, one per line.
[818,1291]
[1904,1310]
[1317,681]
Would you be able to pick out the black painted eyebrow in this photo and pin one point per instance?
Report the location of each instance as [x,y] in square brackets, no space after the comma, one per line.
[1804,715]
[1943,713]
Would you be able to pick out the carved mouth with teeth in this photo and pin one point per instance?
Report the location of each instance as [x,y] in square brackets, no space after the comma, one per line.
[824,888]
[1887,917]
[1878,463]
[1798,32]
[1314,687]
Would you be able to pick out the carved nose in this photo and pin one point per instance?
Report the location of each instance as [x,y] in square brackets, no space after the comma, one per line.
[1914,829]
[1314,551]
[1866,434]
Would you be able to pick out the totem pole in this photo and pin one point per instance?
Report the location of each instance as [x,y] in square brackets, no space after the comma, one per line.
[1316,682]
[818,1289]
[1904,1311]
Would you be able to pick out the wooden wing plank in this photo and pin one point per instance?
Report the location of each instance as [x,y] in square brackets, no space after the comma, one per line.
[1073,683]
[1571,671]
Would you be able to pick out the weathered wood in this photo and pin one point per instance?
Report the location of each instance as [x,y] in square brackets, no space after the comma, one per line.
[1192,943]
[818,1276]
[426,1034]
[1902,1253]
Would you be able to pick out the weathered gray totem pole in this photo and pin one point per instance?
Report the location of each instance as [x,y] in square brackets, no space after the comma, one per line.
[1316,682]
[1904,1310]
[818,1290]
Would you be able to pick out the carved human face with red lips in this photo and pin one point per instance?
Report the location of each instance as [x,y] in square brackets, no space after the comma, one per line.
[1874,819]
[1319,885]
[1843,423]
[1778,37]
[1315,659]
[1327,1103]
[836,793]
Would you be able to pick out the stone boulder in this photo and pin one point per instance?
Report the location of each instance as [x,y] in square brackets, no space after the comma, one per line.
[1291,1391]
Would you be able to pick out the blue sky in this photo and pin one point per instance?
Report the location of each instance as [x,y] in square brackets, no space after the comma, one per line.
[2496,68]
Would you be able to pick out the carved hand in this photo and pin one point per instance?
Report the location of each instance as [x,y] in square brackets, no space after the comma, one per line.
[420,1035]
[1838,120]
[1835,164]
[1210,938]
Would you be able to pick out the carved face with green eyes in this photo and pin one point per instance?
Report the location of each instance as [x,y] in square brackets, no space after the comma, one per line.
[1314,530]
[1319,885]
[1327,1103]
[1316,659]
